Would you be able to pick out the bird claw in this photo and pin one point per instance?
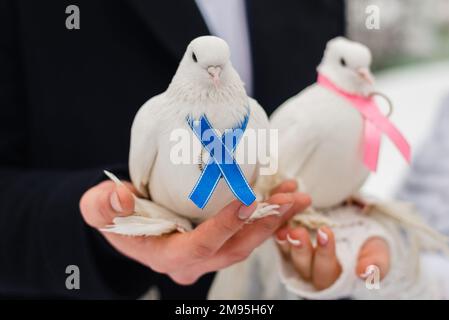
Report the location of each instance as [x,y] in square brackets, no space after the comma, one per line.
[264,210]
[355,201]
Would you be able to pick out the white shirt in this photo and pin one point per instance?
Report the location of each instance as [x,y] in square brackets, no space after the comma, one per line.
[227,19]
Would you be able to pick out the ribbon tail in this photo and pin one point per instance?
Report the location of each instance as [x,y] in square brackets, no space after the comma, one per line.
[371,146]
[206,185]
[398,139]
[237,183]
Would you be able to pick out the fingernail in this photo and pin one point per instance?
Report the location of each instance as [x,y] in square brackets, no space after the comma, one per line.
[280,241]
[369,271]
[246,212]
[115,202]
[284,208]
[323,239]
[294,242]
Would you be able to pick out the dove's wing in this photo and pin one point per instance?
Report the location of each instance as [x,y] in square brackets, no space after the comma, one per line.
[149,218]
[297,138]
[143,146]
[262,184]
[296,142]
[259,117]
[296,146]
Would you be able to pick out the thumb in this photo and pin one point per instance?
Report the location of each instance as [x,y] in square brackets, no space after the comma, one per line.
[102,203]
[122,201]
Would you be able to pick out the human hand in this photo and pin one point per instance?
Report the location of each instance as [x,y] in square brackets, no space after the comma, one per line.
[216,243]
[320,264]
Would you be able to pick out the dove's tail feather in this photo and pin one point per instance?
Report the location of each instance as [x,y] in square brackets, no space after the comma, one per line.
[407,216]
[149,218]
[111,176]
[312,219]
[141,226]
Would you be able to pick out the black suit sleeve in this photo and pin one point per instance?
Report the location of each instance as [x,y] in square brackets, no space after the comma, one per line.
[41,228]
[42,232]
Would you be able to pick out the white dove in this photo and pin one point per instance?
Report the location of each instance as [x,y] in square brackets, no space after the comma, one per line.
[321,136]
[205,84]
[320,133]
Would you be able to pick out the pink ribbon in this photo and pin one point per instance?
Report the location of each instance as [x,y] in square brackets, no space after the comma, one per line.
[375,123]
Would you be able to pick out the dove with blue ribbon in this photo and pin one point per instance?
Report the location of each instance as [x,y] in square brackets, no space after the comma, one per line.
[221,163]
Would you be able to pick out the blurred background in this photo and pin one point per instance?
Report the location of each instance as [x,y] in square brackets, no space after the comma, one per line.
[411,62]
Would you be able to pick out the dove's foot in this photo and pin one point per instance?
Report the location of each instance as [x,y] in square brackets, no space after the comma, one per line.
[358,202]
[264,210]
[136,225]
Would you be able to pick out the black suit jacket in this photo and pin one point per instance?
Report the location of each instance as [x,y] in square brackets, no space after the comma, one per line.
[67,100]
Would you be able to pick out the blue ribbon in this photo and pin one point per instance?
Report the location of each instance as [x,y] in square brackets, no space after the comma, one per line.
[221,163]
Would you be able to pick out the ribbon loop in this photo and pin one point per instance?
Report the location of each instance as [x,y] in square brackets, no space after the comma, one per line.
[221,163]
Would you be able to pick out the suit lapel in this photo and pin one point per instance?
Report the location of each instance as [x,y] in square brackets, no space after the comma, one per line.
[287,41]
[174,23]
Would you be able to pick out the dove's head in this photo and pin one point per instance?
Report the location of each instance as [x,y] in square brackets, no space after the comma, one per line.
[206,82]
[207,60]
[206,65]
[347,64]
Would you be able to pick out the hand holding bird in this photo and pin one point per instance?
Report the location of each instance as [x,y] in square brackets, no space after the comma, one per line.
[221,241]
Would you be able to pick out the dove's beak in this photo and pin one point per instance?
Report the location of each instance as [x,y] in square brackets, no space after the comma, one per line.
[214,72]
[366,75]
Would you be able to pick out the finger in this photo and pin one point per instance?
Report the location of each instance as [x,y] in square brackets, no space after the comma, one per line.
[326,268]
[102,203]
[210,235]
[122,201]
[301,251]
[375,252]
[182,255]
[252,235]
[178,254]
[146,250]
[89,204]
[302,202]
[281,240]
[285,187]
[258,231]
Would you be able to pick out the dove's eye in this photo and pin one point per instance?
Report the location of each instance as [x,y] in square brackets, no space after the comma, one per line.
[343,62]
[194,57]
